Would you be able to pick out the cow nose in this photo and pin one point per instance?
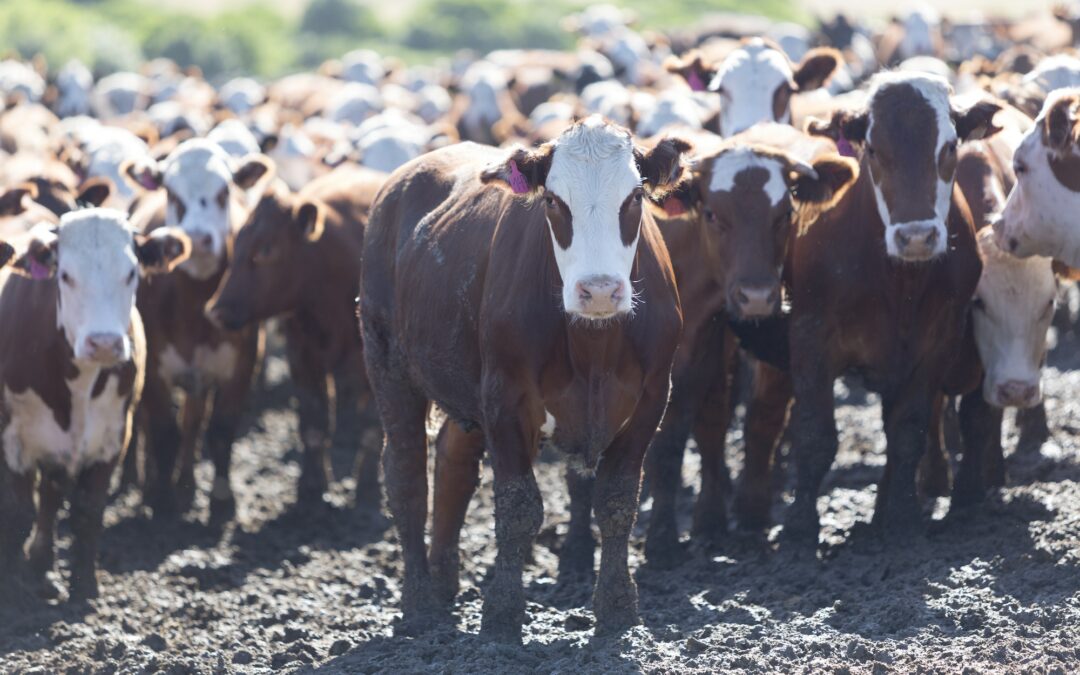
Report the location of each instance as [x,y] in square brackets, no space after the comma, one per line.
[224,317]
[1017,394]
[203,243]
[756,301]
[600,295]
[1013,244]
[916,242]
[105,347]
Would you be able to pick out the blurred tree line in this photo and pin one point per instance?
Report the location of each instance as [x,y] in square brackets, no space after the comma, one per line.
[254,39]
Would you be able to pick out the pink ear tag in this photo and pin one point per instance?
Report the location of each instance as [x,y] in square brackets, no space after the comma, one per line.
[844,146]
[517,181]
[37,270]
[146,181]
[694,80]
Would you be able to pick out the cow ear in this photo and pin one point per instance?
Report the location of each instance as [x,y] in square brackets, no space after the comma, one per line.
[692,68]
[1064,272]
[94,191]
[1059,123]
[162,250]
[817,68]
[12,202]
[977,121]
[35,252]
[523,173]
[310,217]
[142,172]
[844,126]
[682,199]
[662,168]
[825,182]
[253,169]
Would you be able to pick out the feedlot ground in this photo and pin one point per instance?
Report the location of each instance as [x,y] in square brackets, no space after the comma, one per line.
[284,589]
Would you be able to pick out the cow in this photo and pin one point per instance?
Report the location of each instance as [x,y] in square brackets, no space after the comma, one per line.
[72,358]
[736,213]
[880,286]
[756,81]
[298,256]
[1039,216]
[203,191]
[506,286]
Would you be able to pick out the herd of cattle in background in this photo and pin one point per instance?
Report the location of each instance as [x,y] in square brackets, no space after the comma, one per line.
[582,246]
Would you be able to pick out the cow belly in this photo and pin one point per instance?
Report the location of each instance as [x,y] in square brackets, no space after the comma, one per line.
[208,366]
[96,432]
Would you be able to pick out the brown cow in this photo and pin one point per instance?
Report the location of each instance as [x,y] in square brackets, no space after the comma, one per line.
[880,287]
[298,256]
[203,194]
[71,369]
[500,310]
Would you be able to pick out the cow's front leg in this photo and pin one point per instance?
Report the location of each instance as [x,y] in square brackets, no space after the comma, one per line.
[457,473]
[576,557]
[16,520]
[907,428]
[87,510]
[192,414]
[309,376]
[42,551]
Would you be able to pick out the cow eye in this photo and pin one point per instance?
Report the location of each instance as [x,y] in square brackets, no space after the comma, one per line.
[1019,168]
[178,205]
[870,149]
[223,197]
[549,201]
[950,147]
[265,254]
[978,304]
[639,194]
[131,277]
[66,278]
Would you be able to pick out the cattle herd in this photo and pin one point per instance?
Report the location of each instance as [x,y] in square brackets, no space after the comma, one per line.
[581,248]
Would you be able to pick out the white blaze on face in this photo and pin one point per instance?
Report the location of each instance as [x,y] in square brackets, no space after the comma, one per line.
[730,164]
[935,92]
[1014,307]
[97,274]
[197,176]
[1040,215]
[593,171]
[747,81]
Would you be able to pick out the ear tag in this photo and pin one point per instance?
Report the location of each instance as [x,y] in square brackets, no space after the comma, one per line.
[517,181]
[694,80]
[37,270]
[674,207]
[844,146]
[146,181]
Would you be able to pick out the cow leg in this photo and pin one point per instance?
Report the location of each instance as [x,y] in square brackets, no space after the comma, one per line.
[980,430]
[766,419]
[42,551]
[519,513]
[357,410]
[87,511]
[1034,429]
[192,413]
[933,473]
[457,473]
[710,431]
[578,552]
[814,440]
[230,402]
[907,428]
[309,377]
[618,480]
[156,416]
[129,471]
[16,521]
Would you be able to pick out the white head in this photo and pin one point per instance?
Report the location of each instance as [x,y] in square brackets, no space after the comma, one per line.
[1013,306]
[198,177]
[756,81]
[94,258]
[592,180]
[1040,215]
[908,135]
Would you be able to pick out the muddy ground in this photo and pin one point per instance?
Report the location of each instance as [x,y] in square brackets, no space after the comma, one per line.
[287,589]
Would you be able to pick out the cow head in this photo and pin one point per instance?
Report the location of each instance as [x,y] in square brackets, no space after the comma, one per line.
[1040,215]
[94,258]
[198,177]
[1011,314]
[756,81]
[907,137]
[265,273]
[746,200]
[591,182]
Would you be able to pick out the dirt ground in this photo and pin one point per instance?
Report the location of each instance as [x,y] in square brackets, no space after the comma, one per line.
[285,589]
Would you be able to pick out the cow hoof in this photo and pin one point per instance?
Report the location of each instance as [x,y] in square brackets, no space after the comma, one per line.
[664,550]
[505,633]
[615,605]
[83,589]
[422,622]
[312,487]
[751,514]
[185,495]
[47,589]
[164,509]
[222,510]
[576,560]
[966,498]
[617,623]
[444,580]
[708,535]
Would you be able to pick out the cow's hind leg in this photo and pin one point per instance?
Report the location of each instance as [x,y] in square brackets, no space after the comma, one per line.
[457,473]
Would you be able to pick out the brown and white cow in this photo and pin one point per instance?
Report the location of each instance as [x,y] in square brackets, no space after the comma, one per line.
[203,193]
[72,355]
[506,287]
[298,257]
[880,287]
[756,81]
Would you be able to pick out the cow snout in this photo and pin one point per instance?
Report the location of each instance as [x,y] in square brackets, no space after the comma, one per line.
[225,317]
[203,243]
[1017,394]
[600,296]
[756,301]
[917,241]
[105,347]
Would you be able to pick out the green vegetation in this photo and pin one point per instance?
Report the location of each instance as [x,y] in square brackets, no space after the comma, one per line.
[254,39]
